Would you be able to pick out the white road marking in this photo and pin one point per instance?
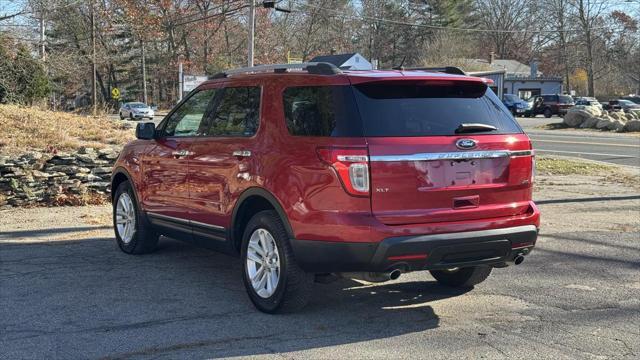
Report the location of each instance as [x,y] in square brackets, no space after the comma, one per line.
[584,153]
[587,143]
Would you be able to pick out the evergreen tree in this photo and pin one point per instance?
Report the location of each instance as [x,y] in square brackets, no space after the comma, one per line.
[22,78]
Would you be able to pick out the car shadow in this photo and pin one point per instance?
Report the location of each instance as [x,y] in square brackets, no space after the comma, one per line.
[96,301]
[588,199]
[7,235]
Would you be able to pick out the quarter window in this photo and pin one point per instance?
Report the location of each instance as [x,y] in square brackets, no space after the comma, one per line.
[321,111]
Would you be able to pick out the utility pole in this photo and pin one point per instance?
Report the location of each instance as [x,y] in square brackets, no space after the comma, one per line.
[252,29]
[94,95]
[180,81]
[144,73]
[42,50]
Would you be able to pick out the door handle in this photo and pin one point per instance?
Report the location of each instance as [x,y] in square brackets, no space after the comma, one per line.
[242,153]
[181,153]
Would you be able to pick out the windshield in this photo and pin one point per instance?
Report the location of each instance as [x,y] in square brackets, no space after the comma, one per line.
[137,105]
[408,108]
[512,98]
[626,102]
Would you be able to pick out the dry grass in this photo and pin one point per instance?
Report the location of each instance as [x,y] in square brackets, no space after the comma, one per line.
[607,173]
[27,128]
[556,166]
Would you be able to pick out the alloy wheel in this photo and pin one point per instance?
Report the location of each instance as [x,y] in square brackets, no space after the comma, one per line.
[263,263]
[125,218]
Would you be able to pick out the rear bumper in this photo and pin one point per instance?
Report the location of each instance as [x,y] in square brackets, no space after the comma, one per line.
[425,252]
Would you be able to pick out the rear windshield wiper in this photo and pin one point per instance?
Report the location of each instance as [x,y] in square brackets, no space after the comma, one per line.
[469,128]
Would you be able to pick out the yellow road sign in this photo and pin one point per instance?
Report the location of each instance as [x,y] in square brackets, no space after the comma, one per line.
[115,93]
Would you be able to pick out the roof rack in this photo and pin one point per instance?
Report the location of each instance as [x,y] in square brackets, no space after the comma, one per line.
[316,68]
[445,69]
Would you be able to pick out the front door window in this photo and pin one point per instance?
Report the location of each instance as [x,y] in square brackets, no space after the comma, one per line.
[187,119]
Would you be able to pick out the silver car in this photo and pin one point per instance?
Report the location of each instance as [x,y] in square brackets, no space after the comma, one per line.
[589,101]
[136,110]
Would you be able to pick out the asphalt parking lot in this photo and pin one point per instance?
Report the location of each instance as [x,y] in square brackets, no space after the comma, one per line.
[67,292]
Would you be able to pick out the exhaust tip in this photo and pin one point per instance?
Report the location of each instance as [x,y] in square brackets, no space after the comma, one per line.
[393,275]
[518,259]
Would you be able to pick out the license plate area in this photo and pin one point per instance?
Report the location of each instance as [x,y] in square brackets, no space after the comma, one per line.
[476,172]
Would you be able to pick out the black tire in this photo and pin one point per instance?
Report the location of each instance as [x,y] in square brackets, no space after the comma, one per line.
[462,278]
[294,285]
[145,238]
[547,113]
[121,117]
[131,116]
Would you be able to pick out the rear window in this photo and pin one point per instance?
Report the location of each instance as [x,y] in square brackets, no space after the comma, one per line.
[565,99]
[429,109]
[327,111]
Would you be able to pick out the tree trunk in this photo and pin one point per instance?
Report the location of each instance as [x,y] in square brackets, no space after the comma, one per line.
[590,86]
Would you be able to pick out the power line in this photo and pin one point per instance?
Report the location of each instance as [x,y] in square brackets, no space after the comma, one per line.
[338,13]
[27,12]
[226,13]
[212,9]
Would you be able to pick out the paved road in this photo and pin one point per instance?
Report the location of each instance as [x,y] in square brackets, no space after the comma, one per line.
[67,292]
[616,149]
[622,149]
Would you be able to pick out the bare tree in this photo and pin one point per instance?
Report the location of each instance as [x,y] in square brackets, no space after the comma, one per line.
[510,25]
[589,14]
[557,14]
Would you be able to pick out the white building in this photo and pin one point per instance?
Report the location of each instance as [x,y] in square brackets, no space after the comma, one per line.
[353,61]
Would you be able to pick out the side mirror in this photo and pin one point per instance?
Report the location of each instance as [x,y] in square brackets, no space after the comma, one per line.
[146,131]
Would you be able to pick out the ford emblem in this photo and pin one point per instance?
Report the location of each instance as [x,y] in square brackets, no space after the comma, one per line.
[466,144]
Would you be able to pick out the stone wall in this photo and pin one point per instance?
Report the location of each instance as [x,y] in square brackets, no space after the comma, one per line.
[38,178]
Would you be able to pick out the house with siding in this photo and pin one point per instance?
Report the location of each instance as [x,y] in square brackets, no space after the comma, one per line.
[514,77]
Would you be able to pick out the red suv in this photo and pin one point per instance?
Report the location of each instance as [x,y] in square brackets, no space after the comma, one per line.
[308,171]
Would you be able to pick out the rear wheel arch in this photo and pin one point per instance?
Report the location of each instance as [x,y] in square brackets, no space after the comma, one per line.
[251,202]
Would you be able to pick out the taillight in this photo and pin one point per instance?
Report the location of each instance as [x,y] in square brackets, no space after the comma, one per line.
[533,162]
[533,166]
[352,166]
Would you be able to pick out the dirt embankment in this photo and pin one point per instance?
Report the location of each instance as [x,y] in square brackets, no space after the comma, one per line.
[27,129]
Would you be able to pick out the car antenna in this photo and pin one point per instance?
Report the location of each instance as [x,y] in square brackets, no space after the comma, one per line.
[400,67]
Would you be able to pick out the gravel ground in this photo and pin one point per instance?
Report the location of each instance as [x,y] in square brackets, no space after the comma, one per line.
[67,292]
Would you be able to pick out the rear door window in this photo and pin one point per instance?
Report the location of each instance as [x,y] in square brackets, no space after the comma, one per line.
[327,111]
[407,108]
[237,113]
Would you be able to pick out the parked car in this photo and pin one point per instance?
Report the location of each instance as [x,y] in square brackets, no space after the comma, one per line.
[589,101]
[516,106]
[550,105]
[136,110]
[627,105]
[633,98]
[312,171]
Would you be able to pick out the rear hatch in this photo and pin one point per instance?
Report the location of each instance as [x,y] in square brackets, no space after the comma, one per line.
[442,150]
[565,102]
